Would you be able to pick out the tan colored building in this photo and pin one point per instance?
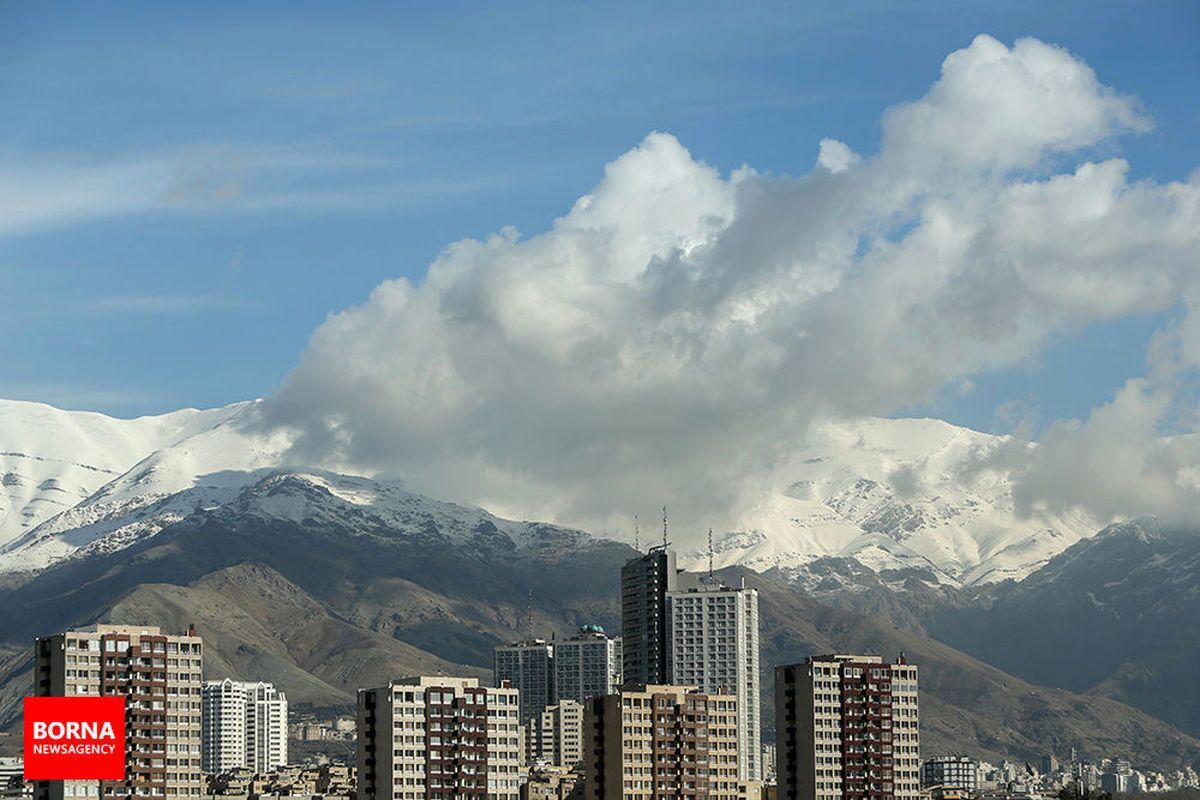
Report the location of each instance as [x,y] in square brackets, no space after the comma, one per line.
[438,738]
[657,742]
[553,783]
[555,736]
[160,676]
[847,728]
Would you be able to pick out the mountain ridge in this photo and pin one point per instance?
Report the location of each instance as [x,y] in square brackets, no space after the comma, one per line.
[293,576]
[892,494]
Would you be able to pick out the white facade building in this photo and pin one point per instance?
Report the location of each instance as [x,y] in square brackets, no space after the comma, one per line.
[712,637]
[586,665]
[245,725]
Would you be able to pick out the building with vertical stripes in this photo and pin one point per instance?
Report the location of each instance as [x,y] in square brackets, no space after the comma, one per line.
[846,728]
[658,742]
[160,677]
[438,738]
[527,666]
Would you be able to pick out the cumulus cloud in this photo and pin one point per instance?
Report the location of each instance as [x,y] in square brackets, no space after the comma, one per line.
[836,156]
[673,335]
[1137,454]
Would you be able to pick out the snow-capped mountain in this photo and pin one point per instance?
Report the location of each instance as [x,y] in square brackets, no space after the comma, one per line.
[891,495]
[51,460]
[198,460]
[896,494]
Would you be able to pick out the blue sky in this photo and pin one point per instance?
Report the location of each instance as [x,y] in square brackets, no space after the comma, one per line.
[191,190]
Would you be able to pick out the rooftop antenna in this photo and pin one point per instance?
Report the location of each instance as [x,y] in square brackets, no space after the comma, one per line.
[710,555]
[664,527]
[529,612]
[637,534]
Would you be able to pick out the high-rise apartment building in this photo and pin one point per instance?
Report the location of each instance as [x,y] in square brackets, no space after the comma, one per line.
[645,581]
[160,677]
[712,631]
[556,735]
[245,725]
[528,667]
[846,728]
[659,742]
[438,738]
[586,665]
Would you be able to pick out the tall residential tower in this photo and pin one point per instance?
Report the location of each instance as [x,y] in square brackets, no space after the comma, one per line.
[846,728]
[245,725]
[712,630]
[528,667]
[159,675]
[586,665]
[438,738]
[645,582]
[660,743]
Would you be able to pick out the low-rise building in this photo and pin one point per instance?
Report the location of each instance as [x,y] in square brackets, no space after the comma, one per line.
[12,779]
[549,782]
[951,772]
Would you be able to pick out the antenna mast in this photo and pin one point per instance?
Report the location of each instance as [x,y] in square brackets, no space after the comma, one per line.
[637,534]
[710,555]
[664,527]
[529,612]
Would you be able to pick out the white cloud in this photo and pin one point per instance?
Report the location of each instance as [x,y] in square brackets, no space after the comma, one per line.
[836,156]
[673,335]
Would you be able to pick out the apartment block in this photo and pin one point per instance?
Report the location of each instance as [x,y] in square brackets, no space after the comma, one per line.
[655,742]
[712,631]
[587,665]
[846,728]
[555,737]
[160,676]
[951,772]
[527,666]
[245,725]
[438,738]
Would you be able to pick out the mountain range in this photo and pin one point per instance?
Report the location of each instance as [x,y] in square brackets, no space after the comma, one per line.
[880,541]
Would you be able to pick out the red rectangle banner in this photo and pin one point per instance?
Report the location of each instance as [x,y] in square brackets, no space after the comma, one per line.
[74,738]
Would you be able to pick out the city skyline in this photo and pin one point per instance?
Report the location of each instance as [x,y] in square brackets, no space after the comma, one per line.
[587,401]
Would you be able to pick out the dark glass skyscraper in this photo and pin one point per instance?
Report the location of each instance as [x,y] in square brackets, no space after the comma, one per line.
[645,581]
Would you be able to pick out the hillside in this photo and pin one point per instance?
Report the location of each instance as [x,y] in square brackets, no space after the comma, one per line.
[1113,615]
[329,582]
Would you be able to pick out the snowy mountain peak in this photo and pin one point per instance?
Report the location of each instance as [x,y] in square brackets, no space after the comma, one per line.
[891,495]
[896,495]
[51,459]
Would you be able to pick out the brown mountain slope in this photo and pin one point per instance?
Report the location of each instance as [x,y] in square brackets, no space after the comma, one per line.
[967,705]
